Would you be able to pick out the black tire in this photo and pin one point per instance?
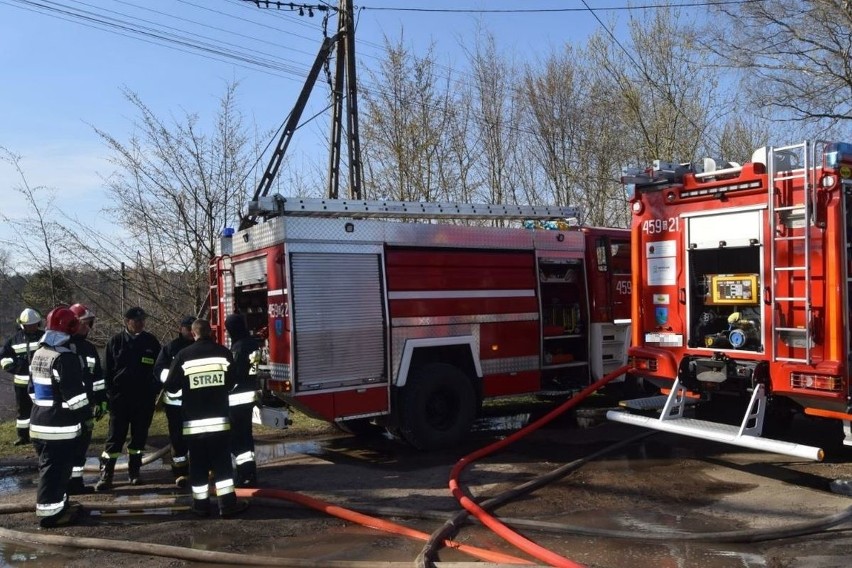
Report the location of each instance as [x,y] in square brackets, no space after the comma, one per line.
[437,407]
[358,427]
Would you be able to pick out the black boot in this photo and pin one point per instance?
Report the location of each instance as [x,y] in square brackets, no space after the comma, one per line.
[201,507]
[107,471]
[134,464]
[23,437]
[180,471]
[246,475]
[77,487]
[67,516]
[230,506]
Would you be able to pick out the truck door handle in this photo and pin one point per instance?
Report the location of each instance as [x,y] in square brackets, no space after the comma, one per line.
[767,295]
[681,295]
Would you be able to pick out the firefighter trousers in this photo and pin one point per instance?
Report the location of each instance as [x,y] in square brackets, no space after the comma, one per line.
[24,406]
[81,449]
[174,415]
[211,452]
[55,460]
[242,441]
[129,414]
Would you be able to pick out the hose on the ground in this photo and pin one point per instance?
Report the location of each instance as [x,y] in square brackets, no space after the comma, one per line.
[499,528]
[792,530]
[452,525]
[317,504]
[376,523]
[346,514]
[146,459]
[206,556]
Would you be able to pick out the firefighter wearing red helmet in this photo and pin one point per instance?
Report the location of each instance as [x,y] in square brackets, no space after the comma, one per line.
[15,358]
[60,406]
[93,377]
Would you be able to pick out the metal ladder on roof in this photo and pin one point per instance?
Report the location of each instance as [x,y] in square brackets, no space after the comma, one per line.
[277,205]
[791,203]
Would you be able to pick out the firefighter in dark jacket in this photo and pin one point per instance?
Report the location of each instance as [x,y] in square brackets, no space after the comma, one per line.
[172,402]
[202,372]
[15,359]
[131,390]
[242,399]
[60,406]
[93,378]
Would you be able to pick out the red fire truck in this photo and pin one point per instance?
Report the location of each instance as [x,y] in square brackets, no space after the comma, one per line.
[410,325]
[741,278]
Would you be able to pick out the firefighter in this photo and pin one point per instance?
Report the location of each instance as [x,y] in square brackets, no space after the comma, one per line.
[15,359]
[242,399]
[203,373]
[172,402]
[93,378]
[131,391]
[60,408]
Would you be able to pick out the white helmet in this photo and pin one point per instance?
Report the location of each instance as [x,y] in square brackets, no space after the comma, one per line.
[29,317]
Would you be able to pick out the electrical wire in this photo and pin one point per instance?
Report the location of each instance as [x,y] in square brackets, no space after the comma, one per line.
[551,10]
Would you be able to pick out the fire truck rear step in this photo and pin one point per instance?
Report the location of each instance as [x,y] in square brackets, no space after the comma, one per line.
[746,435]
[652,402]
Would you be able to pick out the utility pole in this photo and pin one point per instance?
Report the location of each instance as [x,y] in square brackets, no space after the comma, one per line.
[345,86]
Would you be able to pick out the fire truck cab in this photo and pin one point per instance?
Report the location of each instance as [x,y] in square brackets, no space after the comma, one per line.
[741,277]
[370,320]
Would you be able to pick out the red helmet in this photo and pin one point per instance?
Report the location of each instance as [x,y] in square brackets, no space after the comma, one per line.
[82,311]
[62,319]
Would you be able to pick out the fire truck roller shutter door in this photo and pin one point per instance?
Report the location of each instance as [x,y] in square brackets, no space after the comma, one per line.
[437,406]
[337,319]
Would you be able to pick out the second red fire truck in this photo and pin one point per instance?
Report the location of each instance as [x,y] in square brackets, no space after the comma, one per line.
[741,277]
[411,325]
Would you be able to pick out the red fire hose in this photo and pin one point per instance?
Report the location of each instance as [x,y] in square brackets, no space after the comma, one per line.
[492,522]
[376,523]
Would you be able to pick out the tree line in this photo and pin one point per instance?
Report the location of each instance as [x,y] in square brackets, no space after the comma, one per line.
[496,127]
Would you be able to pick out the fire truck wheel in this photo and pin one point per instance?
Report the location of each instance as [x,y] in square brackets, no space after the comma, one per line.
[438,406]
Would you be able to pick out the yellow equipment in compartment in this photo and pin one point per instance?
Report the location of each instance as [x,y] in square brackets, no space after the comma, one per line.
[731,289]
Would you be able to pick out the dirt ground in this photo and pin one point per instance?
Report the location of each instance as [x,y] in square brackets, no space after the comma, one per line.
[655,489]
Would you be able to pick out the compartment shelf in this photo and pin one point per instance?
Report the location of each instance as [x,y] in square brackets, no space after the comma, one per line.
[566,365]
[566,336]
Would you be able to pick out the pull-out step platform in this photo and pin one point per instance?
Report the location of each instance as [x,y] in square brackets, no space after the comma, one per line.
[746,435]
[657,402]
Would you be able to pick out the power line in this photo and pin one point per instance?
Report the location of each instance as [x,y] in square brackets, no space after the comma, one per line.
[551,10]
[158,36]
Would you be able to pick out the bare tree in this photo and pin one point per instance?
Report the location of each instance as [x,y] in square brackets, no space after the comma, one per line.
[174,189]
[496,118]
[407,131]
[36,253]
[553,100]
[669,97]
[794,55]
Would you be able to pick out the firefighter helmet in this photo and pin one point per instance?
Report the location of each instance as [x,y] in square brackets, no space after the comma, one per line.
[63,320]
[29,317]
[82,311]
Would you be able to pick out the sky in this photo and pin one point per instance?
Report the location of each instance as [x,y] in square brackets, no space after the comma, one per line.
[65,64]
